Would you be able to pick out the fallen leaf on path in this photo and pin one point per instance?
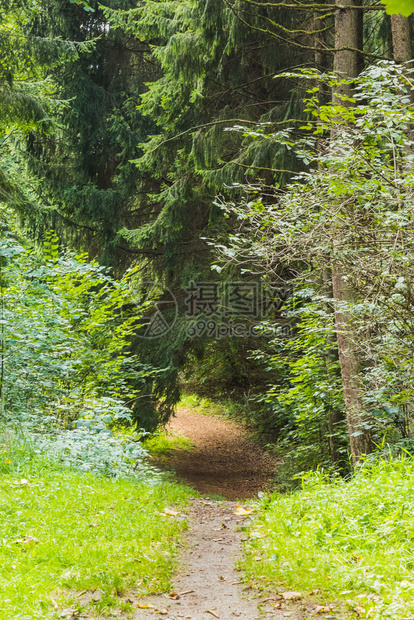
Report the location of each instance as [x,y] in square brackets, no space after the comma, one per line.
[26,541]
[145,606]
[161,611]
[170,512]
[256,535]
[241,512]
[321,609]
[81,593]
[174,596]
[213,613]
[291,596]
[279,605]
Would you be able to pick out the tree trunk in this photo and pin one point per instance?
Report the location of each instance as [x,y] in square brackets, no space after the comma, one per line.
[335,415]
[401,42]
[359,436]
[347,65]
[347,39]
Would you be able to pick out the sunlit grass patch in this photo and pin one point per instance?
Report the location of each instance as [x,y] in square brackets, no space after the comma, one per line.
[352,540]
[64,532]
[202,405]
[164,442]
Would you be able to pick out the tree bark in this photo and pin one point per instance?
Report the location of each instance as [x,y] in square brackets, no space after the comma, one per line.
[359,436]
[401,43]
[347,65]
[347,39]
[335,415]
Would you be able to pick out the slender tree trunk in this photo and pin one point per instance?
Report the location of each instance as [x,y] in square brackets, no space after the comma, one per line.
[347,65]
[347,39]
[335,415]
[401,40]
[359,436]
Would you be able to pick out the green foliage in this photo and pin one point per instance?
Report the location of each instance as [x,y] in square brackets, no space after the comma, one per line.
[352,540]
[163,442]
[83,171]
[395,7]
[66,370]
[82,533]
[353,208]
[64,336]
[303,412]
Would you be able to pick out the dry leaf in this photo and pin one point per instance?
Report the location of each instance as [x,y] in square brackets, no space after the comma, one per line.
[321,609]
[291,596]
[241,512]
[174,596]
[26,541]
[161,611]
[209,611]
[170,512]
[145,606]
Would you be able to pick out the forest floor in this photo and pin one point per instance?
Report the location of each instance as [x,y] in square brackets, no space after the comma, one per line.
[223,462]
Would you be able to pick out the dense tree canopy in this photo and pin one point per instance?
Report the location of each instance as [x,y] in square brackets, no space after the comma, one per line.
[180,139]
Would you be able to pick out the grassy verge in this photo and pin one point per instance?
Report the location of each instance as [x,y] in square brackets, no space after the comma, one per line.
[64,533]
[352,541]
[165,442]
[212,406]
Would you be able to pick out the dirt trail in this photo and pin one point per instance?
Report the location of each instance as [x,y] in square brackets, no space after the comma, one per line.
[224,461]
[210,585]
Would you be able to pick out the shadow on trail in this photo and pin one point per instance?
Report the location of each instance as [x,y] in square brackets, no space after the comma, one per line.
[224,461]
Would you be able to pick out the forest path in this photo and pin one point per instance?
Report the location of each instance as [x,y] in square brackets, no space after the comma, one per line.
[224,461]
[208,585]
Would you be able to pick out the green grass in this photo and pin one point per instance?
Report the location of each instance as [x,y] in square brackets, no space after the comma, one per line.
[225,407]
[353,540]
[91,533]
[164,442]
[202,404]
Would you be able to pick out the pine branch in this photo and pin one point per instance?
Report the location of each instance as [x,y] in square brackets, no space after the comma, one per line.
[316,7]
[219,122]
[329,50]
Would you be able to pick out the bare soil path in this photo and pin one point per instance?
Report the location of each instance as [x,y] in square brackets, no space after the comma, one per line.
[209,586]
[224,462]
